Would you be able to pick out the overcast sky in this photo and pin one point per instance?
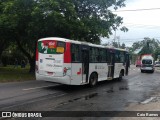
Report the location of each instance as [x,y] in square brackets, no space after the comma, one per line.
[141,23]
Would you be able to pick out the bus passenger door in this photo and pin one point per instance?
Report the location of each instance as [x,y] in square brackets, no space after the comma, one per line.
[85,63]
[111,65]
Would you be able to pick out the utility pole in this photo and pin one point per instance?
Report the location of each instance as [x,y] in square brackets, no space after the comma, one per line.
[118,39]
[114,36]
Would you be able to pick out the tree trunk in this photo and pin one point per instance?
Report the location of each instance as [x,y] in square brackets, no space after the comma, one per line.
[32,65]
[3,46]
[30,58]
[0,56]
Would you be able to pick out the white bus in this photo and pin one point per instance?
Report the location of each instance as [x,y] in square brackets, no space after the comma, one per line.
[77,63]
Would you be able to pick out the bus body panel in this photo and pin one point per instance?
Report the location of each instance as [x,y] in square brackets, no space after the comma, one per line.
[76,75]
[62,80]
[100,68]
[59,67]
[119,67]
[65,79]
[51,64]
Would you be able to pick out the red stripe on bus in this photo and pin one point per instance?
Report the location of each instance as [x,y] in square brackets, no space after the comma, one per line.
[37,51]
[67,53]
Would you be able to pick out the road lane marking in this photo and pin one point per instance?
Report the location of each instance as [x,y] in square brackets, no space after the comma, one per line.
[38,87]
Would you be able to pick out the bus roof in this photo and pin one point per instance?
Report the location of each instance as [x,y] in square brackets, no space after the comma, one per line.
[79,42]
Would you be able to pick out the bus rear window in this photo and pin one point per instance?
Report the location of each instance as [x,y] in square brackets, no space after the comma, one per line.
[51,47]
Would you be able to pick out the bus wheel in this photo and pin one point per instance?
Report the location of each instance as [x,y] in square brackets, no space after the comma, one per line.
[93,79]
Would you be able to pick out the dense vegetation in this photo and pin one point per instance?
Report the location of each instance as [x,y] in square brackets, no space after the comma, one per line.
[146,46]
[23,22]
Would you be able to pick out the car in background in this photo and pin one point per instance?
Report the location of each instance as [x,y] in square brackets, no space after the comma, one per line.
[147,63]
[157,64]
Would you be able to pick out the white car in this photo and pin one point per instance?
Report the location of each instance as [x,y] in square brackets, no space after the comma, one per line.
[147,63]
[157,64]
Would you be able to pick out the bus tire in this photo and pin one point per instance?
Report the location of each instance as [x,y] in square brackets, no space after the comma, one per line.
[142,71]
[93,79]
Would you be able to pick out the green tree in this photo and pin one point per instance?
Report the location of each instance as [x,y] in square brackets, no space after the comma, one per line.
[98,20]
[115,44]
[84,20]
[5,30]
[123,46]
[148,45]
[156,53]
[31,20]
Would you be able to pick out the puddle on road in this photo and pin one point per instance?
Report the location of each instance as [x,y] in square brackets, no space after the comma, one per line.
[87,97]
[123,88]
[90,96]
[110,91]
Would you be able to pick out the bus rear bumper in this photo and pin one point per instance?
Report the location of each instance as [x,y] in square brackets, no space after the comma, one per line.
[63,80]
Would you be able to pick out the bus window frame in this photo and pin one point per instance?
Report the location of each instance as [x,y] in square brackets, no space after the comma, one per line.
[90,54]
[100,57]
[80,59]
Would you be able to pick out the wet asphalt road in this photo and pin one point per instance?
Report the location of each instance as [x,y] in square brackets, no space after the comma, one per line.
[106,96]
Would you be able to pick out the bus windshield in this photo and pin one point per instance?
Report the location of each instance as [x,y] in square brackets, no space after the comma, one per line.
[51,47]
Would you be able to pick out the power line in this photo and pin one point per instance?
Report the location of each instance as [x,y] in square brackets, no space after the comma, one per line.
[136,10]
[140,24]
[143,25]
[131,39]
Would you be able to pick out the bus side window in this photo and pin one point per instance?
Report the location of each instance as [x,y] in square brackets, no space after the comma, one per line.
[122,57]
[75,50]
[117,58]
[103,55]
[90,54]
[94,54]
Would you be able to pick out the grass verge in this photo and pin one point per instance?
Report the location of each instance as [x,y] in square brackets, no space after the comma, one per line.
[11,74]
